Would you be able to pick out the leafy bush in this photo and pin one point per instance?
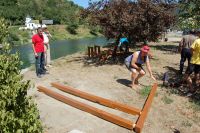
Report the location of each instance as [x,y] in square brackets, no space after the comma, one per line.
[13,37]
[4,30]
[71,28]
[18,113]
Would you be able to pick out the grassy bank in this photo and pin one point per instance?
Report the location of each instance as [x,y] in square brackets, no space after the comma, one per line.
[59,32]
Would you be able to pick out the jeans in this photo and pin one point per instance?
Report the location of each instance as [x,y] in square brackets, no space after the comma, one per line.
[39,64]
[185,54]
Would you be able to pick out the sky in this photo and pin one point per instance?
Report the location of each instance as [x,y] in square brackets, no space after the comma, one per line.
[83,3]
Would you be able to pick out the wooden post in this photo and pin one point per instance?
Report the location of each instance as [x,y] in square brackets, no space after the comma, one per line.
[90,51]
[146,107]
[87,108]
[97,49]
[97,99]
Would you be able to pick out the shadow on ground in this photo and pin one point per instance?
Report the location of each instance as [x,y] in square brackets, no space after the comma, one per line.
[169,49]
[125,82]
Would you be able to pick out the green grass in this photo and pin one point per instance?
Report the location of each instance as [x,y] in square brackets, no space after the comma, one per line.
[186,124]
[65,82]
[167,100]
[195,105]
[144,92]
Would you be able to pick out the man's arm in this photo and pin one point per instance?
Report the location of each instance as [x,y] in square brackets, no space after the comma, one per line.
[180,45]
[35,54]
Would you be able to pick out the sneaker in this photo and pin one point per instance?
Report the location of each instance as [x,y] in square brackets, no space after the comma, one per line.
[49,66]
[45,73]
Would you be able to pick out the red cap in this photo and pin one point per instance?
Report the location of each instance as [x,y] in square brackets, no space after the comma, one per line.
[145,49]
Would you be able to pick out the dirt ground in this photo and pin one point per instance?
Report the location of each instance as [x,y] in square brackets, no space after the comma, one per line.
[169,113]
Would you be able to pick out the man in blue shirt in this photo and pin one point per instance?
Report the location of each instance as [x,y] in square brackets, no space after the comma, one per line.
[123,42]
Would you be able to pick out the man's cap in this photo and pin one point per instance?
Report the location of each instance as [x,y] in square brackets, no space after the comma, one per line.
[145,49]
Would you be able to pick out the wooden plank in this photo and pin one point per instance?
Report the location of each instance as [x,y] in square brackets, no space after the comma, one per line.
[140,121]
[87,108]
[97,99]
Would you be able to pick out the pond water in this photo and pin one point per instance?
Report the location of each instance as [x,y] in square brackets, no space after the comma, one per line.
[59,48]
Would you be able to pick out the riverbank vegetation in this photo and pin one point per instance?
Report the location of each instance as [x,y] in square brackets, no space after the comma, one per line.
[67,23]
[58,32]
[60,11]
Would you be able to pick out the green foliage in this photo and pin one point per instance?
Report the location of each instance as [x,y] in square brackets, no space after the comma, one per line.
[61,11]
[18,37]
[145,91]
[3,30]
[167,100]
[94,30]
[137,20]
[195,105]
[72,28]
[18,113]
[189,17]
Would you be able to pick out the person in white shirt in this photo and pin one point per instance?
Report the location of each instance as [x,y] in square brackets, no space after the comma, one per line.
[46,36]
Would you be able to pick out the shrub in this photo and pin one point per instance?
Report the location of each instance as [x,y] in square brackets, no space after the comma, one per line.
[71,28]
[18,113]
[4,30]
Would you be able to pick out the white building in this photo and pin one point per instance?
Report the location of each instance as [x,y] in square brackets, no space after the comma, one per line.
[31,24]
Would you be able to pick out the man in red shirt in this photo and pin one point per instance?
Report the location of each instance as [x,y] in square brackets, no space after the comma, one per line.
[38,49]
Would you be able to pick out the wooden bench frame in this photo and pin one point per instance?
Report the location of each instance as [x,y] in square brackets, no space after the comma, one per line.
[137,127]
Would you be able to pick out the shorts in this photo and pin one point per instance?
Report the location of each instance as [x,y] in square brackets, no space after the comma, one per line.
[194,68]
[132,69]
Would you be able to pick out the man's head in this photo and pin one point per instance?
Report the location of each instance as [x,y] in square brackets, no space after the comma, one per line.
[44,27]
[192,31]
[39,31]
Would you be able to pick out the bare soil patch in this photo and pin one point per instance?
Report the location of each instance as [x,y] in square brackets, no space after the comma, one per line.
[170,112]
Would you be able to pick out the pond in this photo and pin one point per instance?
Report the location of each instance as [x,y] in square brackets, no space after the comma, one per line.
[59,48]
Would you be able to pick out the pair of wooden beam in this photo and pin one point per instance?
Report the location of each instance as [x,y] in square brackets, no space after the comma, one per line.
[100,113]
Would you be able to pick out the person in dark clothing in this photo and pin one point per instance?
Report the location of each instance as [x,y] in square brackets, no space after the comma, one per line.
[184,49]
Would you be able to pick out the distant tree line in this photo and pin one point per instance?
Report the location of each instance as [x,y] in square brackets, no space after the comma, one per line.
[189,14]
[60,11]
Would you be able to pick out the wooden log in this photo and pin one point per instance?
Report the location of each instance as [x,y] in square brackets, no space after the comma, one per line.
[87,108]
[140,121]
[97,99]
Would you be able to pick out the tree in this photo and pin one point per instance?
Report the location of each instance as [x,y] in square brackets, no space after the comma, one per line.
[189,14]
[18,113]
[61,11]
[4,30]
[136,19]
